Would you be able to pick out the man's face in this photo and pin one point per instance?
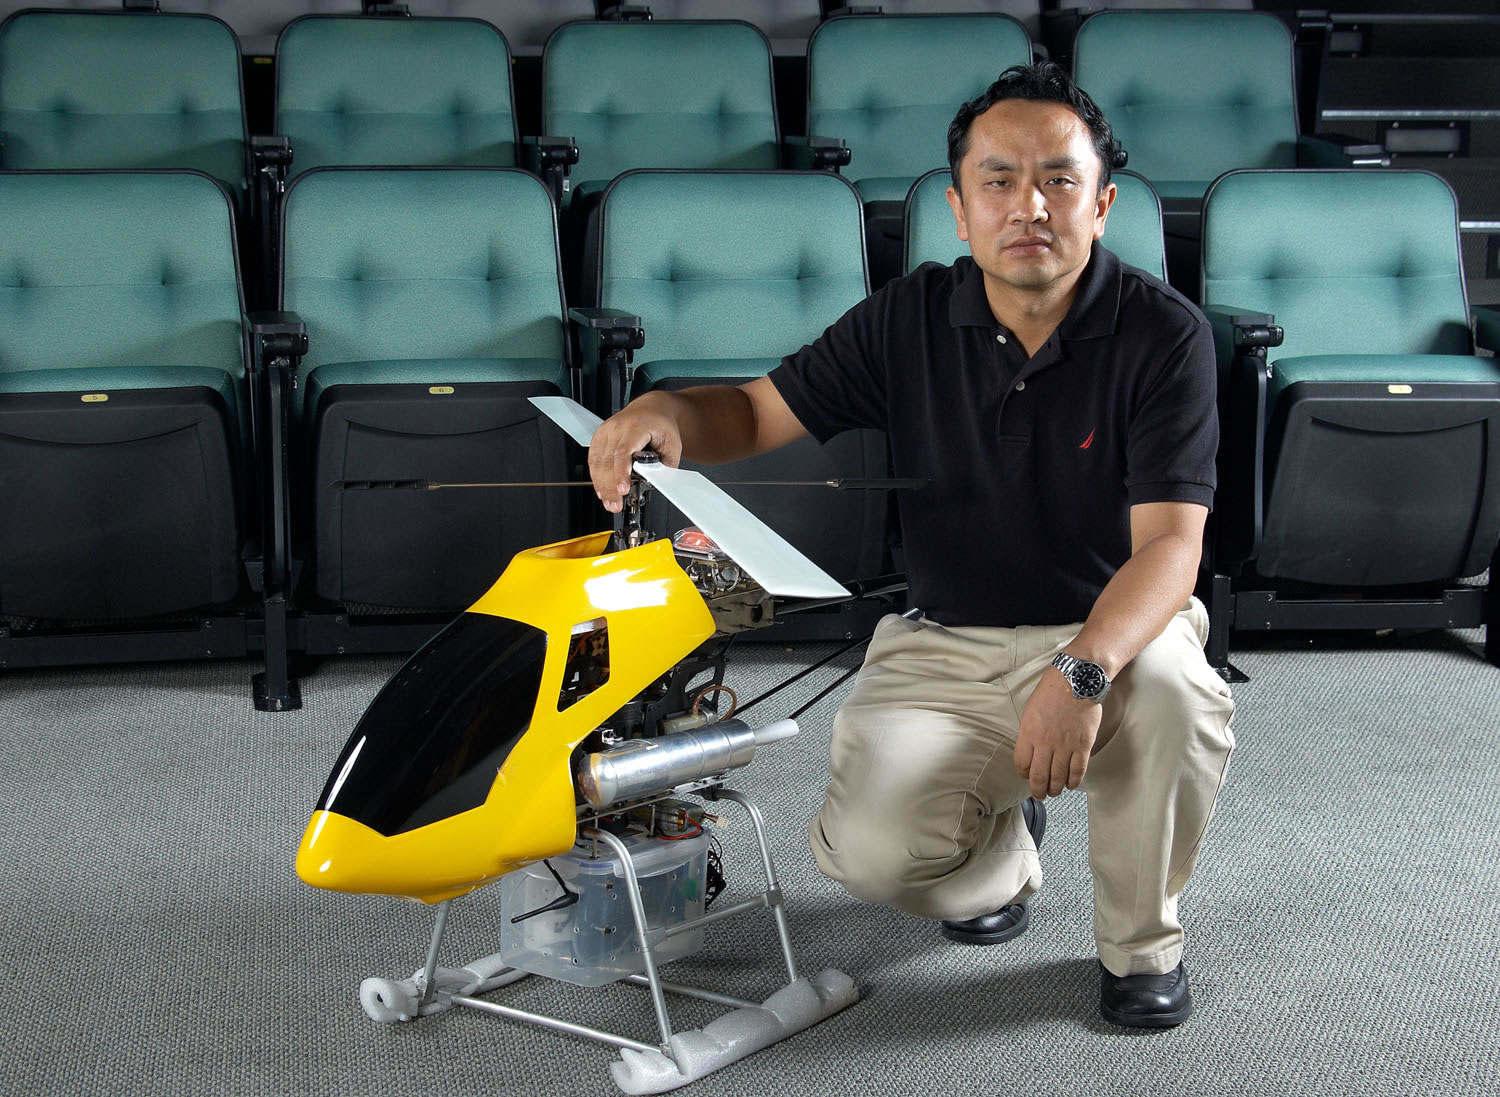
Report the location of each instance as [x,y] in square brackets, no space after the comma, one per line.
[1030,206]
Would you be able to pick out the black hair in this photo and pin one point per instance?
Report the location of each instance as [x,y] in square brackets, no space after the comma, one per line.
[1043,82]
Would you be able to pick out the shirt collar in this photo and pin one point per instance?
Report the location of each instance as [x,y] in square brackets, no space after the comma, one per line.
[1092,314]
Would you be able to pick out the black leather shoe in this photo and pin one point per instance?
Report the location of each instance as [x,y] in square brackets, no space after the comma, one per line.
[1145,1001]
[1001,925]
[1011,920]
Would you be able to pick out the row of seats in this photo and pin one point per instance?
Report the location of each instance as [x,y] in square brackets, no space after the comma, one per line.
[527,23]
[1328,38]
[787,23]
[162,453]
[1191,94]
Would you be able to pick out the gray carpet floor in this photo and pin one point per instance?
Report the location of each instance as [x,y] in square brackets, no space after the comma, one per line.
[1342,926]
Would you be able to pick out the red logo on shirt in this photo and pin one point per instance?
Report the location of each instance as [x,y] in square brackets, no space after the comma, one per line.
[1087,442]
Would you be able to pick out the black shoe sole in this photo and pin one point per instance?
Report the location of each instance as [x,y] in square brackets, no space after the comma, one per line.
[1148,1020]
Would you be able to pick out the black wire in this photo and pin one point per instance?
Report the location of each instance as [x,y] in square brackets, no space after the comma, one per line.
[803,674]
[840,680]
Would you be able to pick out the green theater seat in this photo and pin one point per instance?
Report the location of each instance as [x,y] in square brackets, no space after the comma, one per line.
[433,306]
[352,90]
[1191,95]
[124,411]
[117,89]
[1360,468]
[659,94]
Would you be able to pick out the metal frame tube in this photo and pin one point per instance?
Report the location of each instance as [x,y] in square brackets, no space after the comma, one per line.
[429,969]
[551,1022]
[713,916]
[773,894]
[643,932]
[694,992]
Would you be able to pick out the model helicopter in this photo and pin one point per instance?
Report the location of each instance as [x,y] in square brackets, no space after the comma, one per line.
[561,718]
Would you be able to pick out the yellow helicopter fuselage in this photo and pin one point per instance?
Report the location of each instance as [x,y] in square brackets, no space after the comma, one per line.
[459,772]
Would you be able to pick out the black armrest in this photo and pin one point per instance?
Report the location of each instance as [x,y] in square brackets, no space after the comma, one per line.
[1241,338]
[1312,26]
[270,157]
[857,9]
[612,324]
[278,340]
[816,153]
[269,152]
[1255,329]
[551,159]
[626,12]
[275,336]
[1237,330]
[607,342]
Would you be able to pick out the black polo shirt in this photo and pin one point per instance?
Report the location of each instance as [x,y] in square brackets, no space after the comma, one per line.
[1033,464]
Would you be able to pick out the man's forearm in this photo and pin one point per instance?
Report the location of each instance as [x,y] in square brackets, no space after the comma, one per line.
[717,422]
[1137,604]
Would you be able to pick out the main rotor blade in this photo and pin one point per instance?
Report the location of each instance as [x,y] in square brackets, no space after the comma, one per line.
[771,560]
[573,417]
[843,483]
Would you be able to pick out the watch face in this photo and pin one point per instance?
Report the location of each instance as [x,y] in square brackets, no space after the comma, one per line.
[1087,679]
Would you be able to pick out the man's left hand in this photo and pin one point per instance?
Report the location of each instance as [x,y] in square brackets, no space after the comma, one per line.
[1056,737]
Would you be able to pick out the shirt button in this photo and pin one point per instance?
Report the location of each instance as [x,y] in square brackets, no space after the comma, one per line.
[1000,338]
[1020,386]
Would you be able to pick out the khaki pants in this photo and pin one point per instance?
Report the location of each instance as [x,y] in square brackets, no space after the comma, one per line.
[923,805]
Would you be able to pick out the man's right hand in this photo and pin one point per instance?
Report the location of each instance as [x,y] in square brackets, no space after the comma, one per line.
[714,423]
[645,423]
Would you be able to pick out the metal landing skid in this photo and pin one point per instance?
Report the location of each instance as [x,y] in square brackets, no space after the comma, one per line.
[680,1057]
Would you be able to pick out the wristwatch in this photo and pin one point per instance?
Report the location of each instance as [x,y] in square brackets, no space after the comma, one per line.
[1088,680]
